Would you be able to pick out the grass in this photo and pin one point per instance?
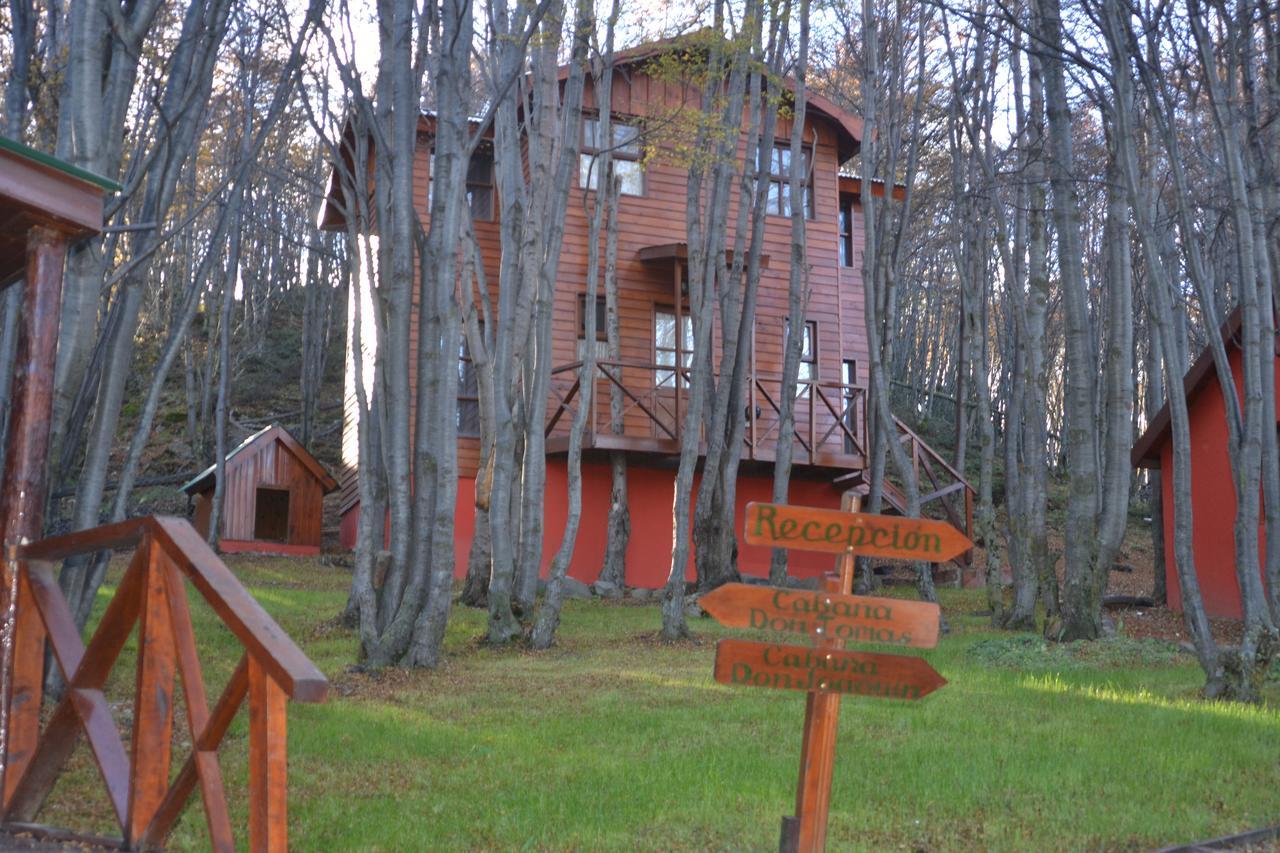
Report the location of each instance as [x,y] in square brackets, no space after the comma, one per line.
[614,742]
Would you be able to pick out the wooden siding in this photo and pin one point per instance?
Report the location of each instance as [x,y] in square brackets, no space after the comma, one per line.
[836,304]
[268,464]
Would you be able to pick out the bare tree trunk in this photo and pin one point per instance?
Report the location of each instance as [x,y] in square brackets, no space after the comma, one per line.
[1092,518]
[706,230]
[714,533]
[797,301]
[225,316]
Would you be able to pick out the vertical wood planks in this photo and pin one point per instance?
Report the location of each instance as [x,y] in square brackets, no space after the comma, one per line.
[268,762]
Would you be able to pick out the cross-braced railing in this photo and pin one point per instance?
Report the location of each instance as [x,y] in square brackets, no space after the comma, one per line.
[829,417]
[152,594]
[941,485]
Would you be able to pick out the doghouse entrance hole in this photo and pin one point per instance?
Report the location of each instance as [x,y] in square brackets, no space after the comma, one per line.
[271,515]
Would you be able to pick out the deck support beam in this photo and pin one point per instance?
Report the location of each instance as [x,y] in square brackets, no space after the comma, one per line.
[22,498]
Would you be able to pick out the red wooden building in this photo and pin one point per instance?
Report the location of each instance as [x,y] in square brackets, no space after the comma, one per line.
[1213,498]
[829,444]
[274,497]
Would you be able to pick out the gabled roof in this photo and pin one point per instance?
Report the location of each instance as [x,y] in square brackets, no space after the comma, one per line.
[1146,451]
[261,438]
[849,126]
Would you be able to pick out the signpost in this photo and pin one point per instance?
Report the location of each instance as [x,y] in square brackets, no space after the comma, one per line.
[816,529]
[830,617]
[852,618]
[802,668]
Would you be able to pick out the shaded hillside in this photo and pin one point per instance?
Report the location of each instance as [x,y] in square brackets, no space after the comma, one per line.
[265,388]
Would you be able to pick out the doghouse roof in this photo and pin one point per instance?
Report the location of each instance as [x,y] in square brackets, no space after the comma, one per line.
[254,443]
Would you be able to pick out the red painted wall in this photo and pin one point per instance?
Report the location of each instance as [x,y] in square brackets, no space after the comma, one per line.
[1213,502]
[651,493]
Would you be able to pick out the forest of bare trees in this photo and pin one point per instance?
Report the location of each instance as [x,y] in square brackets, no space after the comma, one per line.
[1090,187]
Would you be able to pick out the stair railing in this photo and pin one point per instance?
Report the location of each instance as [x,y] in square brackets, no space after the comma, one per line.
[152,594]
[944,480]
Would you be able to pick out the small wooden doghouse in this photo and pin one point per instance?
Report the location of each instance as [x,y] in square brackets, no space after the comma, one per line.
[274,497]
[1213,497]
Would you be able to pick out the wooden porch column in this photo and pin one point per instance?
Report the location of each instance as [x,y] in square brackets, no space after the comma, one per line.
[22,497]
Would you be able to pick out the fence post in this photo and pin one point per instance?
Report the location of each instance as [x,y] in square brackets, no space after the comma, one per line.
[268,763]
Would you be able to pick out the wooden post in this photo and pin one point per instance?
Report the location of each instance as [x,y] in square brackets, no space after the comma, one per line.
[968,524]
[807,831]
[153,699]
[813,426]
[22,498]
[268,763]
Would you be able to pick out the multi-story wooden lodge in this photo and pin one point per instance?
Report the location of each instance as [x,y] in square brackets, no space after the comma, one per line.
[830,435]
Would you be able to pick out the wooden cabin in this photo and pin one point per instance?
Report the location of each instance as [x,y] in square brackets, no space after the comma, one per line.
[273,502]
[656,331]
[1213,497]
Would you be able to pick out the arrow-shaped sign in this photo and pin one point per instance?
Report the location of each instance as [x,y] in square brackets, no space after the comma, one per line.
[816,529]
[747,664]
[824,615]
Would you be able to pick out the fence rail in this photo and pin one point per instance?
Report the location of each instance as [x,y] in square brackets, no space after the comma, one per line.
[152,594]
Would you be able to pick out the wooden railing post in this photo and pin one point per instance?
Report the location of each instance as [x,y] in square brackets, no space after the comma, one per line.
[23,486]
[968,522]
[268,762]
[752,414]
[813,434]
[153,698]
[26,682]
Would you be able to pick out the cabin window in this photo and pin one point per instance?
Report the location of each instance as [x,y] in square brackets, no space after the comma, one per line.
[849,371]
[625,147]
[846,234]
[271,514]
[808,370]
[672,344]
[468,393]
[779,200]
[849,377]
[480,185]
[602,326]
[479,191]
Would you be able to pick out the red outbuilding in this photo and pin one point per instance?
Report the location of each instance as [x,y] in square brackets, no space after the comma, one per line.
[1213,498]
[274,497]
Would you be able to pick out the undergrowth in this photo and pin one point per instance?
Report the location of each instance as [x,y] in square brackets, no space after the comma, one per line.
[1031,652]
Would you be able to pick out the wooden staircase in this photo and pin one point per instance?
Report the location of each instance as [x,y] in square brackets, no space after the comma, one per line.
[941,488]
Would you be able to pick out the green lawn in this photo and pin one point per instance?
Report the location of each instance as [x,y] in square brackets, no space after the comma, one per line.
[613,742]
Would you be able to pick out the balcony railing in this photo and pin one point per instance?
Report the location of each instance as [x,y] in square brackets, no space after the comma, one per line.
[830,417]
[145,797]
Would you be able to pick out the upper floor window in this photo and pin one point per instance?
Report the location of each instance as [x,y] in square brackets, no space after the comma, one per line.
[479,192]
[779,200]
[468,392]
[602,328]
[625,148]
[846,234]
[672,345]
[808,369]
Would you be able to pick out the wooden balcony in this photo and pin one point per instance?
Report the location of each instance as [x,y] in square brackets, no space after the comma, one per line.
[830,417]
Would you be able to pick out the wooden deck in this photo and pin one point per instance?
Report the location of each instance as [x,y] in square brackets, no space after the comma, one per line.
[830,417]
